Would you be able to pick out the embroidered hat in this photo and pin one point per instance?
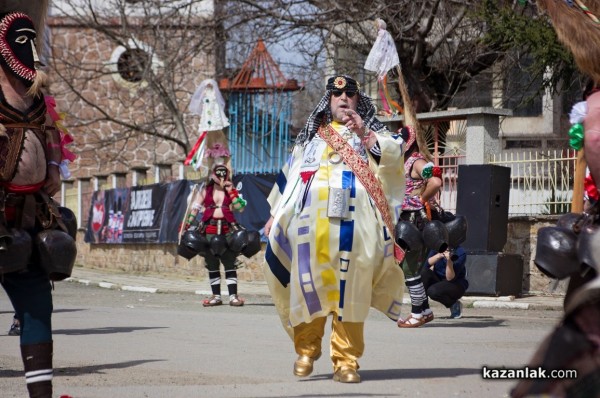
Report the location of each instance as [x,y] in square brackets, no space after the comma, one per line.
[322,112]
[342,82]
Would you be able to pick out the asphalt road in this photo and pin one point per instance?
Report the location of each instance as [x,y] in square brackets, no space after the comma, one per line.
[111,343]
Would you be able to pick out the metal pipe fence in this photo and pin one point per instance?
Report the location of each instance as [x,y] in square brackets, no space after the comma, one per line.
[541,180]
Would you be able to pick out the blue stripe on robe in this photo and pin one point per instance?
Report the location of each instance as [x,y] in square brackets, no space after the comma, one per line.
[281,182]
[347,226]
[277,268]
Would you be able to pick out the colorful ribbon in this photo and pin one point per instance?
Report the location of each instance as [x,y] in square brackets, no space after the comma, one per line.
[65,137]
[590,188]
[389,98]
[576,136]
[384,102]
[427,171]
[587,11]
[194,157]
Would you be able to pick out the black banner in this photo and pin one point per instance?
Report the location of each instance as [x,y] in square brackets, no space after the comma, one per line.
[153,213]
[255,189]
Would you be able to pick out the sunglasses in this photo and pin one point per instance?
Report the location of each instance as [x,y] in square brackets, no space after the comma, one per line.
[338,93]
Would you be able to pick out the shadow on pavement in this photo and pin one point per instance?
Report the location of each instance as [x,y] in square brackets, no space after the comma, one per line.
[81,370]
[57,311]
[399,374]
[467,322]
[106,330]
[258,304]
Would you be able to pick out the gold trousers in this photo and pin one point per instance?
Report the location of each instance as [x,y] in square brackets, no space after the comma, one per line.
[347,341]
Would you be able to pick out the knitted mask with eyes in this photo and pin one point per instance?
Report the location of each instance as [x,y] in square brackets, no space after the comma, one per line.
[17,46]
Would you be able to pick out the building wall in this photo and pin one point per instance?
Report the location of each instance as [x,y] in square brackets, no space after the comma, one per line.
[83,58]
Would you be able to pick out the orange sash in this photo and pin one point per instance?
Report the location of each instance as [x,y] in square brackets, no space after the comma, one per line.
[367,178]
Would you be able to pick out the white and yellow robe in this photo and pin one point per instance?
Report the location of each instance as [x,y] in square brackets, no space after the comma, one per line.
[316,265]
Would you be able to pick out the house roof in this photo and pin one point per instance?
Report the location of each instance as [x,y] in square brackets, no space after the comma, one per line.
[259,73]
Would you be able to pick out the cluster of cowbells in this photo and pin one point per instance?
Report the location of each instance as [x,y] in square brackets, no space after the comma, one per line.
[240,241]
[436,235]
[571,246]
[54,249]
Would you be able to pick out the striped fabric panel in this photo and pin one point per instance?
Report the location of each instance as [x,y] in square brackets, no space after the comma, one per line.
[35,376]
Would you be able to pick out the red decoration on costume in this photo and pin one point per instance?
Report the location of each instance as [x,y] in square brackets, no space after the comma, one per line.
[305,175]
[590,188]
[437,172]
[65,137]
[190,156]
[10,212]
[51,107]
[22,189]
[213,229]
[233,193]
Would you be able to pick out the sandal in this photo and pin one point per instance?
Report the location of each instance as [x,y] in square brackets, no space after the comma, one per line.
[235,300]
[212,301]
[428,318]
[411,322]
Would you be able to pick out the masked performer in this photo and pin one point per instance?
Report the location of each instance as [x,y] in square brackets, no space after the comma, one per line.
[223,237]
[423,181]
[29,175]
[330,247]
[572,248]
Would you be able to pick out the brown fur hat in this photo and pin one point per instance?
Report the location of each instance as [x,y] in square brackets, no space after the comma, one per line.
[578,31]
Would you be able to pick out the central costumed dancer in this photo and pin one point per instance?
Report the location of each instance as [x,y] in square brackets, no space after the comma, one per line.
[331,250]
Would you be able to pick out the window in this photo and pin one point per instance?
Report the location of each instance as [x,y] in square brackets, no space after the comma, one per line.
[522,91]
[132,64]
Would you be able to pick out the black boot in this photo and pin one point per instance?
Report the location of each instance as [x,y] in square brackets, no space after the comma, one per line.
[37,359]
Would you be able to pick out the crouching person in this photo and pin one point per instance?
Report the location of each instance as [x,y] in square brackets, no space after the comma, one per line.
[444,278]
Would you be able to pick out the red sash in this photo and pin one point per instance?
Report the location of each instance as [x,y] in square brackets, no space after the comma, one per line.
[363,172]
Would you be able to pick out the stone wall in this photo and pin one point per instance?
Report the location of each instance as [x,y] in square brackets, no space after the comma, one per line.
[163,259]
[522,239]
[118,124]
[156,259]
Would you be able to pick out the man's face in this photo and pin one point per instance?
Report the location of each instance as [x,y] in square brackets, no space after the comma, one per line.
[341,102]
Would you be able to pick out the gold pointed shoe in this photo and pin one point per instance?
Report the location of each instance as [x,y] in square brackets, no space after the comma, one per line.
[303,366]
[346,374]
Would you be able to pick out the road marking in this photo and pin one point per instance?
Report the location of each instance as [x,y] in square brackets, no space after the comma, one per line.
[140,289]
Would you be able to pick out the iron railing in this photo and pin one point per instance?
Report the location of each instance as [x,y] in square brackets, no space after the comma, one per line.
[541,180]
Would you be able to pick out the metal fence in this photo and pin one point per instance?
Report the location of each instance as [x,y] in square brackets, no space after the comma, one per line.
[259,133]
[449,165]
[541,180]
